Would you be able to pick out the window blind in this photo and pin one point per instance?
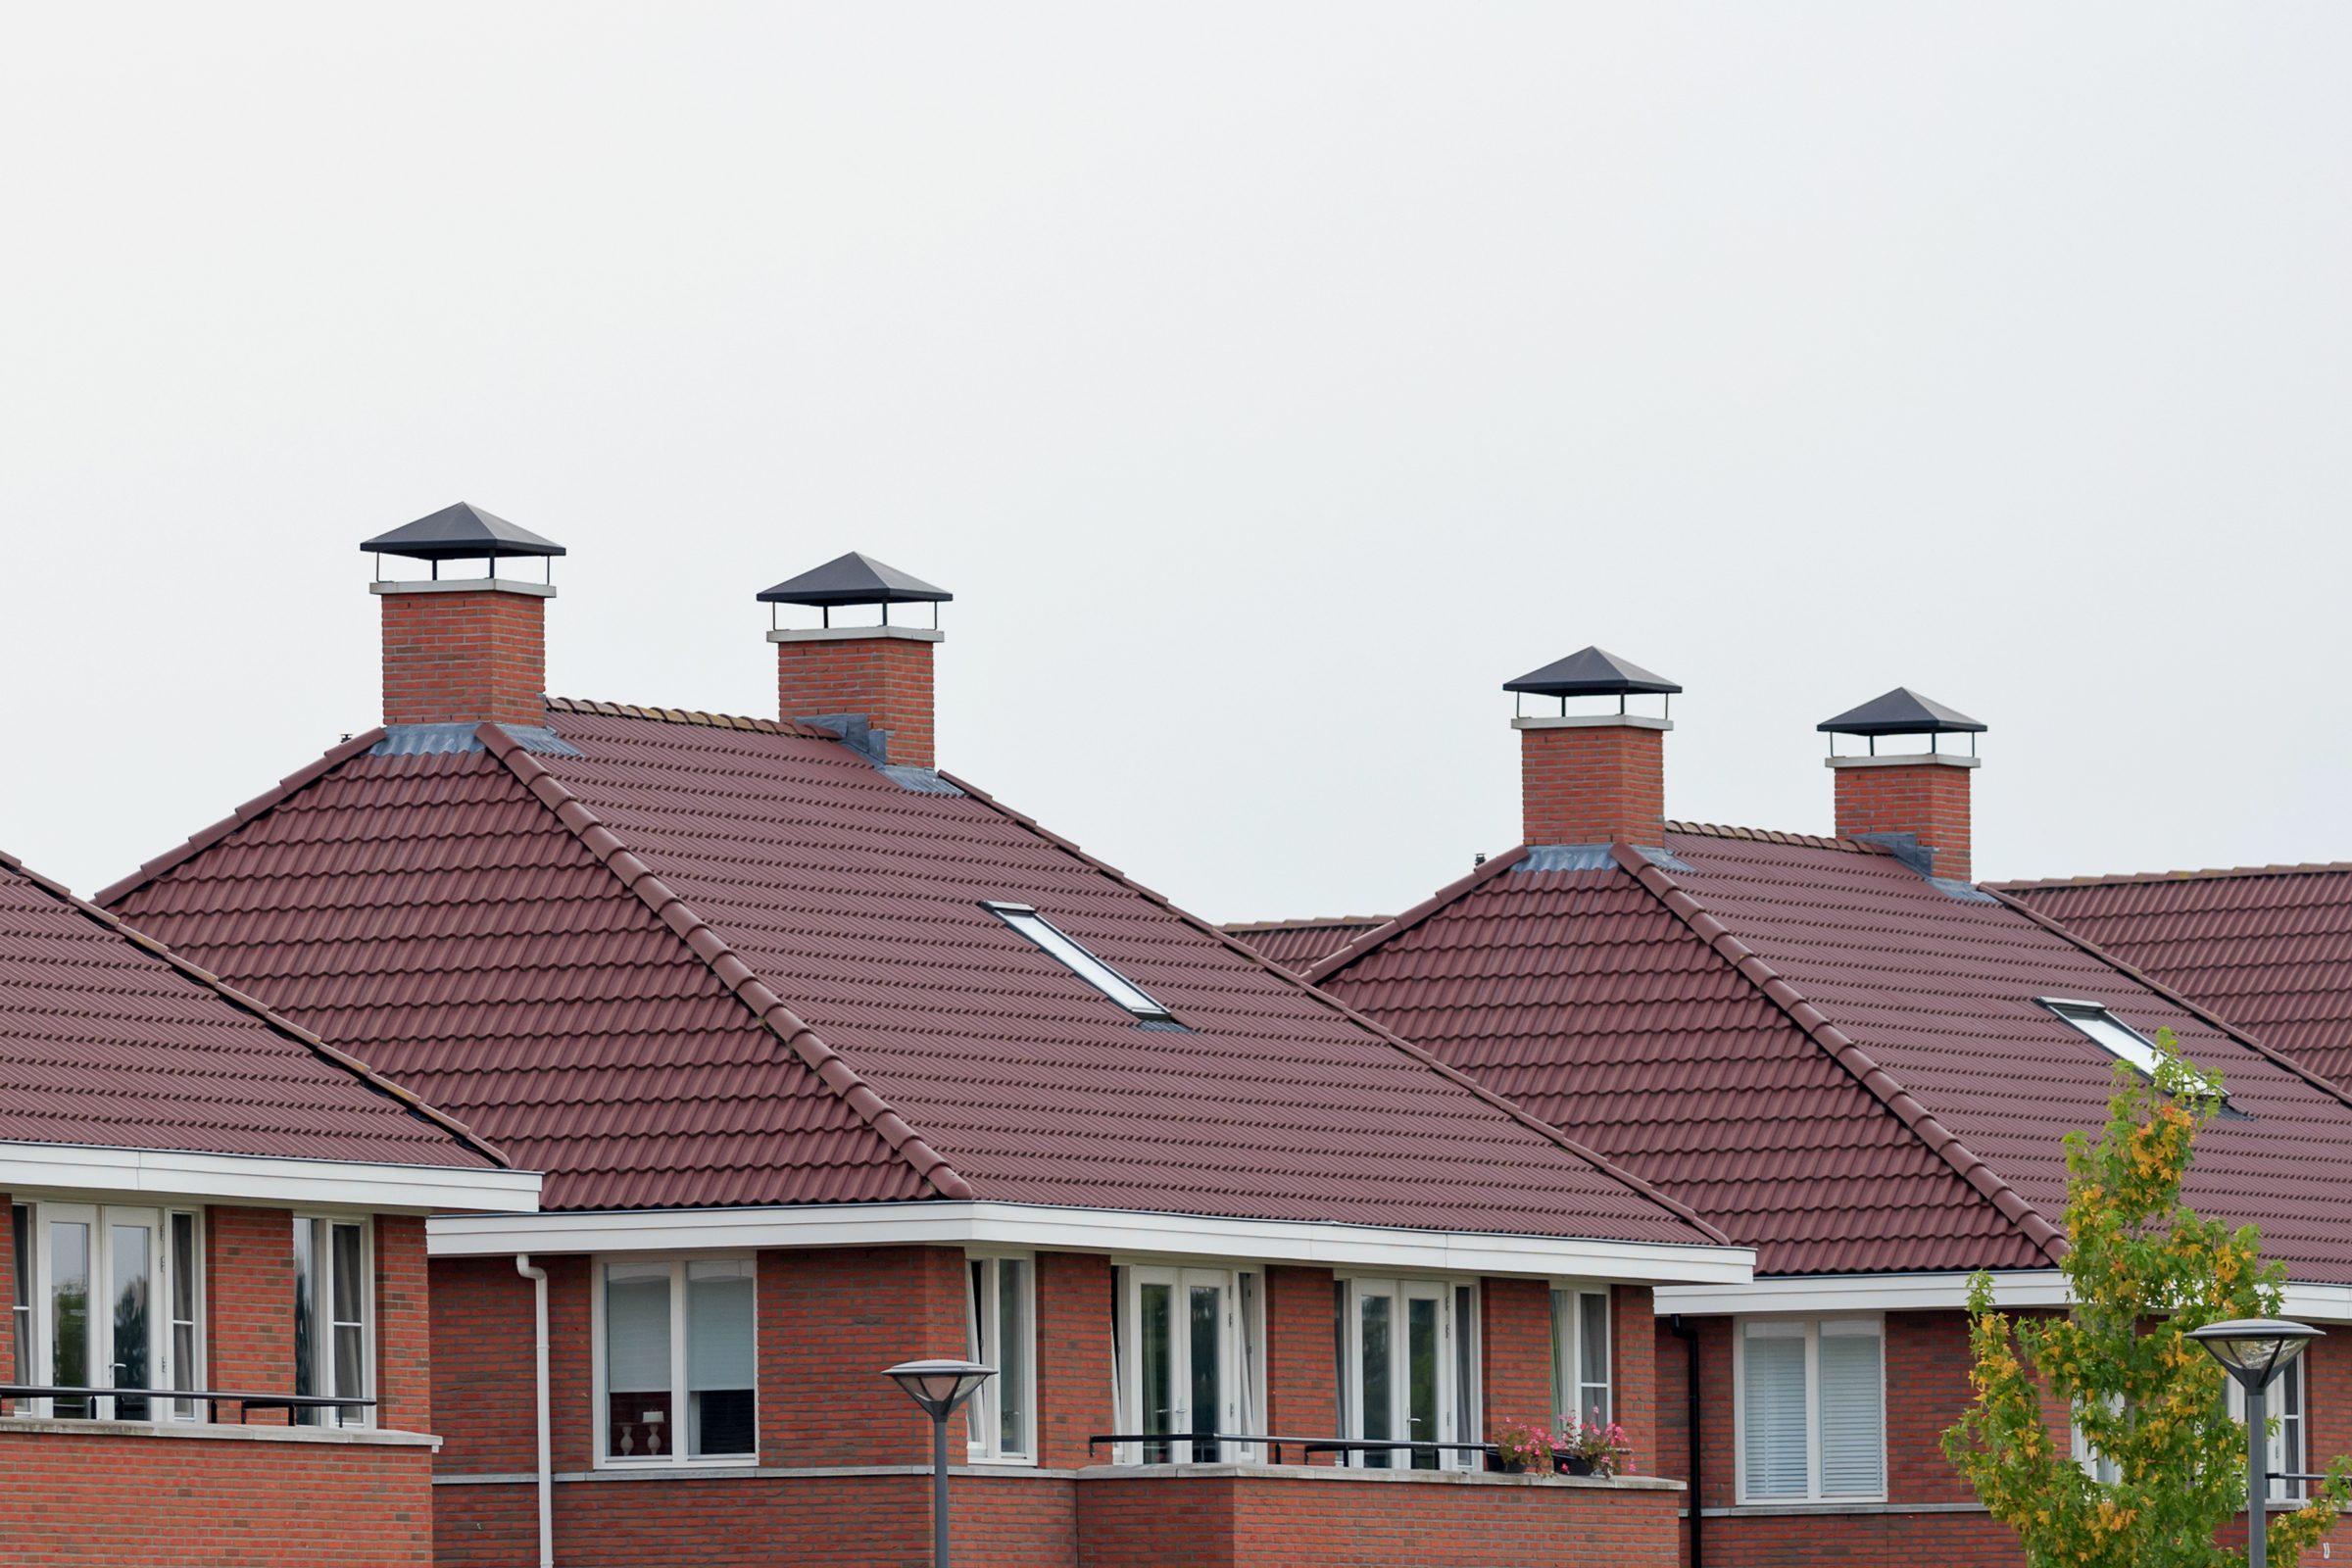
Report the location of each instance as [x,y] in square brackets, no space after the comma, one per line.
[1773,1398]
[1852,1451]
[637,1330]
[718,1326]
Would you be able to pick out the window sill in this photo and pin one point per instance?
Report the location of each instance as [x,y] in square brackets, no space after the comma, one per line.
[214,1432]
[1770,1510]
[624,1471]
[1340,1473]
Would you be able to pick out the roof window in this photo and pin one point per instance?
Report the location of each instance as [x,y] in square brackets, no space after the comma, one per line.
[1063,947]
[2115,1037]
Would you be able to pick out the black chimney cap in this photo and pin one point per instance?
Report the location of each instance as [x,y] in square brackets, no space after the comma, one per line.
[460,532]
[1589,673]
[1901,712]
[853,579]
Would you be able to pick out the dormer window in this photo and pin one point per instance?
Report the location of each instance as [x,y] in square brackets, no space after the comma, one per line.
[1064,949]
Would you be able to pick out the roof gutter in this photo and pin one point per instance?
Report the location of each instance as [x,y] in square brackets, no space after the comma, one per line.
[385,1188]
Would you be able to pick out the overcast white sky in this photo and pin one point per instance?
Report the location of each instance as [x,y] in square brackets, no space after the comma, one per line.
[1269,382]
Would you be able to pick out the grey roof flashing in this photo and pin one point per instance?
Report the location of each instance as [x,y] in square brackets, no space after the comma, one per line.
[456,739]
[1589,858]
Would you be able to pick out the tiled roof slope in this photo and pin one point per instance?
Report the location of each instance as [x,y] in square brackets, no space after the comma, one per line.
[2267,948]
[667,964]
[1684,1057]
[108,1040]
[1296,945]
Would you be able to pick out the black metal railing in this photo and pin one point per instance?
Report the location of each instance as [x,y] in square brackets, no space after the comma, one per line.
[211,1398]
[1276,1446]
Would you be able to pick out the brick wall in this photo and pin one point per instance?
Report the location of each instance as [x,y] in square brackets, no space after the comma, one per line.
[1634,1372]
[830,1321]
[1602,784]
[888,679]
[1515,1345]
[88,1499]
[404,1334]
[1073,1356]
[483,1376]
[1929,799]
[465,657]
[1303,1397]
[249,1299]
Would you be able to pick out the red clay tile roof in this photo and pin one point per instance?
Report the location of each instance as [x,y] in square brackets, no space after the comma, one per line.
[2270,949]
[109,1040]
[707,962]
[1296,945]
[1823,1054]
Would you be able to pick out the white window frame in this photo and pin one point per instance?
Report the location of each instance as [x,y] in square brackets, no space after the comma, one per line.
[984,1332]
[1573,1382]
[38,1324]
[322,1344]
[1075,957]
[1241,1348]
[1457,1406]
[680,1456]
[2294,1427]
[1811,1329]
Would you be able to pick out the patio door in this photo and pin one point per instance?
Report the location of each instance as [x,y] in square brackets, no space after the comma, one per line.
[1185,1376]
[98,1269]
[1400,1370]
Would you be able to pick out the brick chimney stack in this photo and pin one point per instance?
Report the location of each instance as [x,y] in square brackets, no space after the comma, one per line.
[871,684]
[1592,778]
[463,651]
[1916,801]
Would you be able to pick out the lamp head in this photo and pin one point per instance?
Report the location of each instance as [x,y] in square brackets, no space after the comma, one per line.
[2255,1350]
[939,1387]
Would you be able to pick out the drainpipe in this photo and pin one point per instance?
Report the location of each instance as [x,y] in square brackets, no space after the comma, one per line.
[1688,1331]
[547,1469]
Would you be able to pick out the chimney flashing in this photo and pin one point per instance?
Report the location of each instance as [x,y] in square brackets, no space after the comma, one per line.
[465,585]
[845,635]
[1594,721]
[1913,759]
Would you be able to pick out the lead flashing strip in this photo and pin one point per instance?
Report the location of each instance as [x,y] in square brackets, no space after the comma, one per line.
[2012,1206]
[733,970]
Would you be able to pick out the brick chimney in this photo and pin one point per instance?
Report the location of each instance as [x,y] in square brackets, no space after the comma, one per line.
[1593,777]
[870,684]
[1916,801]
[463,651]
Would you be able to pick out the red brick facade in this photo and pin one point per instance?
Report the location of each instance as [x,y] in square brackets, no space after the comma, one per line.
[886,678]
[1592,784]
[1303,1394]
[1514,1337]
[1929,799]
[465,657]
[249,1297]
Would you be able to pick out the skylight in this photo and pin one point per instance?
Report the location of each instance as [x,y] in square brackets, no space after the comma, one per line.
[1059,945]
[2108,1031]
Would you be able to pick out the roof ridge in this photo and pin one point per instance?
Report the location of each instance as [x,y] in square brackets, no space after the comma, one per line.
[1592,1156]
[1847,1052]
[687,715]
[196,974]
[2177,999]
[270,800]
[1312,922]
[1766,835]
[1347,952]
[732,969]
[2223,873]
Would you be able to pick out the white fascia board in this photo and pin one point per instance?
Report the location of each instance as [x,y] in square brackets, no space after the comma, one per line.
[2012,1289]
[1084,1230]
[158,1173]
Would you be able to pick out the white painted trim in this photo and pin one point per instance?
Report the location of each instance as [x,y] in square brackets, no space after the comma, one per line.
[2012,1289]
[163,1173]
[1907,759]
[465,585]
[1594,721]
[1086,1230]
[856,634]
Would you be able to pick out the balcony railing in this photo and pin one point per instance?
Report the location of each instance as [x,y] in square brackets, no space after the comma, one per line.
[211,1398]
[1277,1446]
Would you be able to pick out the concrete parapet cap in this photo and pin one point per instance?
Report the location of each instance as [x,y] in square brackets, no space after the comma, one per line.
[852,634]
[215,1432]
[1595,721]
[1910,759]
[466,585]
[1349,1473]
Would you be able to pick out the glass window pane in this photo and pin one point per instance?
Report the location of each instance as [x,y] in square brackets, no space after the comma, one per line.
[20,1269]
[1852,1446]
[1155,1348]
[1592,1358]
[351,1281]
[637,1361]
[69,1312]
[721,1366]
[1375,1354]
[1011,1382]
[975,1348]
[130,1254]
[1084,964]
[306,1311]
[184,1312]
[1208,1367]
[1465,1370]
[1421,1377]
[1773,1398]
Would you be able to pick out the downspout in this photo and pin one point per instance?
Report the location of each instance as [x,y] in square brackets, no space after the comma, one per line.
[1688,1331]
[547,1469]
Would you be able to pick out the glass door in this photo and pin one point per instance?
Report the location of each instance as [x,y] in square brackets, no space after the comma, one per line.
[1183,1377]
[103,1331]
[1401,1367]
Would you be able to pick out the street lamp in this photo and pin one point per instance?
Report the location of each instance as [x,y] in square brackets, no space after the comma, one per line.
[2255,1351]
[939,1387]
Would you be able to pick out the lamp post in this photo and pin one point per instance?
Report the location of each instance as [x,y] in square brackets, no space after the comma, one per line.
[2255,1351]
[940,1388]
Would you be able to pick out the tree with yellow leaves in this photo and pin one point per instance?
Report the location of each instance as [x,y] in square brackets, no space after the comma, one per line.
[2143,1270]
